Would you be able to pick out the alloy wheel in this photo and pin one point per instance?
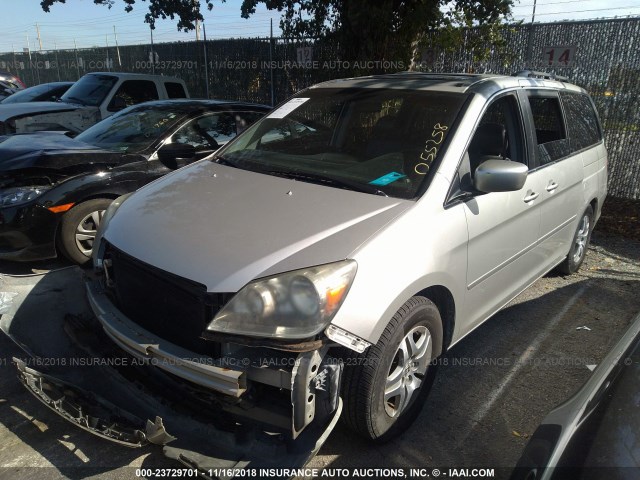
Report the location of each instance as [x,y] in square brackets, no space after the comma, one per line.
[582,237]
[407,370]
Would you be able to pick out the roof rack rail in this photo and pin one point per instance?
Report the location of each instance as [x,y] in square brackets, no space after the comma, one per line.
[543,75]
[441,74]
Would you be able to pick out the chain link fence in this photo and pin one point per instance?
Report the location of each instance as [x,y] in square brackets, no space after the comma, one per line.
[603,56]
[259,70]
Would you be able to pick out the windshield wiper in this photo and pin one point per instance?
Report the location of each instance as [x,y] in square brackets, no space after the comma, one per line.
[328,180]
[219,159]
[310,177]
[224,161]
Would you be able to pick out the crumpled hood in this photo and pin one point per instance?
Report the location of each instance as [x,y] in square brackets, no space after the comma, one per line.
[223,227]
[50,150]
[12,110]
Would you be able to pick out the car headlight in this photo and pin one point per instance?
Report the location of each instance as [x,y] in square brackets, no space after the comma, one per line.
[19,195]
[98,250]
[292,305]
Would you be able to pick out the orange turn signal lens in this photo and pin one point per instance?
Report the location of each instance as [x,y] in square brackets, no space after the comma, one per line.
[334,298]
[61,208]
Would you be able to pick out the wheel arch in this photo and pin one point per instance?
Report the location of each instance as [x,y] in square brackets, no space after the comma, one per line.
[93,196]
[440,288]
[443,299]
[594,206]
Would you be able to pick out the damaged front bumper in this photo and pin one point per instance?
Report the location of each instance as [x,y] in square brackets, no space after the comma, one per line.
[209,414]
[27,232]
[135,340]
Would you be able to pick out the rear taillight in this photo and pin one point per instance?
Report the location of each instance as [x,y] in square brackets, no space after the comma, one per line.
[20,82]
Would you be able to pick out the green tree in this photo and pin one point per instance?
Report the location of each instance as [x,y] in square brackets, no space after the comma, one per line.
[380,29]
[186,11]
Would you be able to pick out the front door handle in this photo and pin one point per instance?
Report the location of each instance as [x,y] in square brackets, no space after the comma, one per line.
[531,196]
[552,186]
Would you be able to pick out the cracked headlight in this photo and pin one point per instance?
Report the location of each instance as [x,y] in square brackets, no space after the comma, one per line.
[292,305]
[19,195]
[98,252]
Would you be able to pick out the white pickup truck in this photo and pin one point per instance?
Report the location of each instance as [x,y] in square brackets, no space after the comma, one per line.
[92,98]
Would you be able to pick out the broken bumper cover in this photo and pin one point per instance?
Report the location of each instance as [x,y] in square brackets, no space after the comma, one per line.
[68,364]
[74,404]
[79,407]
[144,345]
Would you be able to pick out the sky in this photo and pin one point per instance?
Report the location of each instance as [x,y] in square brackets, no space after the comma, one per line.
[558,10]
[93,25]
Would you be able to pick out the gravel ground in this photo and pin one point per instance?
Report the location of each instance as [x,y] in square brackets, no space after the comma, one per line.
[491,391]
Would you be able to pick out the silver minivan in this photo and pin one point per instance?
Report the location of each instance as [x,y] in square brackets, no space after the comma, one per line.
[319,263]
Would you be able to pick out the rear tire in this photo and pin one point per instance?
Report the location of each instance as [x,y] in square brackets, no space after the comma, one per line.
[579,244]
[385,387]
[78,229]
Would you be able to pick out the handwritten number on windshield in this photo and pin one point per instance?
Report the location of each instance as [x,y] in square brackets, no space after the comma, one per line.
[430,149]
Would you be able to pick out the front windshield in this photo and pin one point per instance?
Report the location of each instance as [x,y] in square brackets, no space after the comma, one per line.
[133,129]
[27,95]
[90,90]
[381,141]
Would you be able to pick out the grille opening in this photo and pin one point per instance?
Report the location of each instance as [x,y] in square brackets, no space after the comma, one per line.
[171,307]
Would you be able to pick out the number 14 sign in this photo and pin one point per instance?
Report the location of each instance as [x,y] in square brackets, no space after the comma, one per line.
[559,56]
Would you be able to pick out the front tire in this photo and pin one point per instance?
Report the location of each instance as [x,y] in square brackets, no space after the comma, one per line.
[78,229]
[579,245]
[384,388]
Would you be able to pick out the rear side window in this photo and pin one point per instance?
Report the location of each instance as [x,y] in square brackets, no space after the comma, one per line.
[136,91]
[551,135]
[175,90]
[582,122]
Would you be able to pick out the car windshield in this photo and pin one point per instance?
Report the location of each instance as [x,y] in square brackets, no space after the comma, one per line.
[133,129]
[27,95]
[380,141]
[90,90]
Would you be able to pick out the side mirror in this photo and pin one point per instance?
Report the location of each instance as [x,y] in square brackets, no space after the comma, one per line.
[176,155]
[497,175]
[117,104]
